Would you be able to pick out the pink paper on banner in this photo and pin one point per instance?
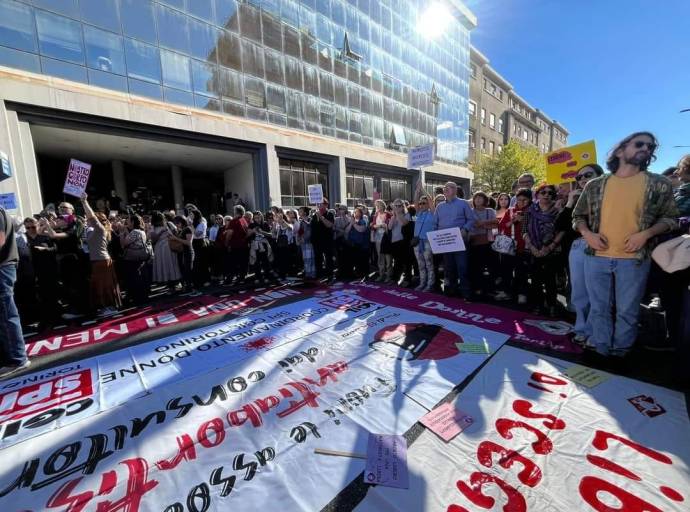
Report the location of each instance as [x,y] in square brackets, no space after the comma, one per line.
[387,461]
[446,421]
[523,328]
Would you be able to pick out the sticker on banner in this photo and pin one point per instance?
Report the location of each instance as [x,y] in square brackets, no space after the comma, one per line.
[588,377]
[387,461]
[647,405]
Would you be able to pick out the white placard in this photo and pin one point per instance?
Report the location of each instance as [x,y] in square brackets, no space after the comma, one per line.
[420,155]
[446,240]
[77,178]
[315,194]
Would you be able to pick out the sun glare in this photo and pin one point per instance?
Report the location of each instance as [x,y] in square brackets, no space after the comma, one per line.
[434,21]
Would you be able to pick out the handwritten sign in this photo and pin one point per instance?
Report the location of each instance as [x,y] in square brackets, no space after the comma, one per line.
[387,461]
[315,194]
[420,156]
[446,240]
[77,178]
[588,377]
[562,165]
[446,421]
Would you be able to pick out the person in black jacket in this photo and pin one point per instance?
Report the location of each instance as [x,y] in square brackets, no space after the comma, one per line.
[322,235]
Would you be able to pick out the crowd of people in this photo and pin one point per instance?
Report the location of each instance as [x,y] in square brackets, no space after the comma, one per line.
[589,241]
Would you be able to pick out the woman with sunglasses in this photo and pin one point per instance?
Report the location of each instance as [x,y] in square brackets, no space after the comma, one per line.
[575,244]
[542,240]
[422,249]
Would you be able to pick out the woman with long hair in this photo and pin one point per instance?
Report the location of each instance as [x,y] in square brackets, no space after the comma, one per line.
[502,205]
[481,237]
[399,244]
[136,257]
[379,227]
[357,234]
[165,267]
[185,258]
[543,241]
[422,249]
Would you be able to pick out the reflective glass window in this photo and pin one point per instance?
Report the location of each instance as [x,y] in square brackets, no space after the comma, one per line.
[175,70]
[205,78]
[66,7]
[202,8]
[180,4]
[340,94]
[311,80]
[20,60]
[342,118]
[312,107]
[250,22]
[291,41]
[293,73]
[254,92]
[145,89]
[230,51]
[294,105]
[232,108]
[143,61]
[257,114]
[290,12]
[60,37]
[325,57]
[104,50]
[226,14]
[323,30]
[252,59]
[275,98]
[324,7]
[309,51]
[230,84]
[326,86]
[338,13]
[207,103]
[203,40]
[353,97]
[274,67]
[179,97]
[307,20]
[102,13]
[63,70]
[173,31]
[107,80]
[272,30]
[138,20]
[17,26]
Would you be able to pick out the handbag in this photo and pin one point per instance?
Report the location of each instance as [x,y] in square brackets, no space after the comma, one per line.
[504,244]
[673,255]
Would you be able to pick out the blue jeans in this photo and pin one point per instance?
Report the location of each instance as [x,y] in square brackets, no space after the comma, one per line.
[455,265]
[578,288]
[616,281]
[12,350]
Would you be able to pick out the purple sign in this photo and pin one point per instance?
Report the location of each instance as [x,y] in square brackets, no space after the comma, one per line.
[387,461]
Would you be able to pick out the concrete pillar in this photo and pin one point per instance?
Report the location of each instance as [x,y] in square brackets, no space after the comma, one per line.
[273,165]
[342,182]
[119,180]
[178,191]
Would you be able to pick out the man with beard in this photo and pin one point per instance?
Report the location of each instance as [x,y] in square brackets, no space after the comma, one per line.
[618,215]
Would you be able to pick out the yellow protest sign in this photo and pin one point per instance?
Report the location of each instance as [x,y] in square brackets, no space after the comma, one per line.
[562,164]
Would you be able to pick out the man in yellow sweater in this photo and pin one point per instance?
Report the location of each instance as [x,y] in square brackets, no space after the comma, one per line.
[618,214]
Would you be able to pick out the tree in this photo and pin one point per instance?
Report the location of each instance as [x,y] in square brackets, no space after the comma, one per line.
[496,173]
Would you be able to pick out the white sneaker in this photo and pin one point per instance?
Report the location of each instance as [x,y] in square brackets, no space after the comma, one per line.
[6,371]
[522,299]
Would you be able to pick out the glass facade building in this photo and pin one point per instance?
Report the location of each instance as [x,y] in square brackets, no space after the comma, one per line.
[358,70]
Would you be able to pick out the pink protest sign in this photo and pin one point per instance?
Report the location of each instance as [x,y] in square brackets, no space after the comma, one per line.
[446,421]
[77,178]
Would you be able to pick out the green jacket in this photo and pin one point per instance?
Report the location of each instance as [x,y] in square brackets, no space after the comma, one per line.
[659,206]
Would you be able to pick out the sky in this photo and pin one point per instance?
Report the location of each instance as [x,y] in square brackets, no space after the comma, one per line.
[602,68]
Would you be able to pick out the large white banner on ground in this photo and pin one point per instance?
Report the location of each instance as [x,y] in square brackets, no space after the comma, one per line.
[243,435]
[542,442]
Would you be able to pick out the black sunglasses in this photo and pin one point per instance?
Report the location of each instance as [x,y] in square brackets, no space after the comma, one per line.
[547,193]
[650,145]
[588,174]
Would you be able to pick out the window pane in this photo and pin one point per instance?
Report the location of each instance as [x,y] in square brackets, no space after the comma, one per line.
[205,78]
[272,32]
[202,8]
[275,98]
[255,92]
[311,80]
[326,85]
[102,13]
[17,26]
[176,3]
[226,14]
[291,41]
[252,59]
[67,7]
[173,31]
[138,20]
[231,84]
[274,67]
[204,40]
[104,50]
[143,61]
[234,109]
[175,70]
[293,73]
[294,106]
[145,89]
[179,97]
[250,22]
[63,70]
[285,182]
[20,60]
[229,51]
[59,37]
[298,183]
[107,80]
[207,103]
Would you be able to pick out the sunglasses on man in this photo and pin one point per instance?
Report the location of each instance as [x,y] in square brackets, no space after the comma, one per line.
[585,175]
[650,145]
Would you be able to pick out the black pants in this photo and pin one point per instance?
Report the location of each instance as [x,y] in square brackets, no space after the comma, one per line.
[238,261]
[402,265]
[137,281]
[543,272]
[523,268]
[361,260]
[482,261]
[200,267]
[323,252]
[505,265]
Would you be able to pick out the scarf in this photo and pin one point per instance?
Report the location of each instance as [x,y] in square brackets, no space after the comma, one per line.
[541,225]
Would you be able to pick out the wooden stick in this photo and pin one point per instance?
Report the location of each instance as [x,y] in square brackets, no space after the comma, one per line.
[337,453]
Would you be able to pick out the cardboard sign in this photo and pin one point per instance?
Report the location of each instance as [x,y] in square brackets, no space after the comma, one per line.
[446,421]
[420,155]
[315,194]
[562,165]
[5,167]
[446,240]
[77,178]
[588,377]
[387,461]
[8,201]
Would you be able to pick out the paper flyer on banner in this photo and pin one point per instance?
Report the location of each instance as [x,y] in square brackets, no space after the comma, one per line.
[387,461]
[446,240]
[446,421]
[586,376]
[77,178]
[315,194]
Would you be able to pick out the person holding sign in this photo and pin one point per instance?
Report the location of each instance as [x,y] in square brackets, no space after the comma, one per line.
[455,212]
[322,223]
[617,215]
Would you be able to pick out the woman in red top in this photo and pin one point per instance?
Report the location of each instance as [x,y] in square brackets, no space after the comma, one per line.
[514,270]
